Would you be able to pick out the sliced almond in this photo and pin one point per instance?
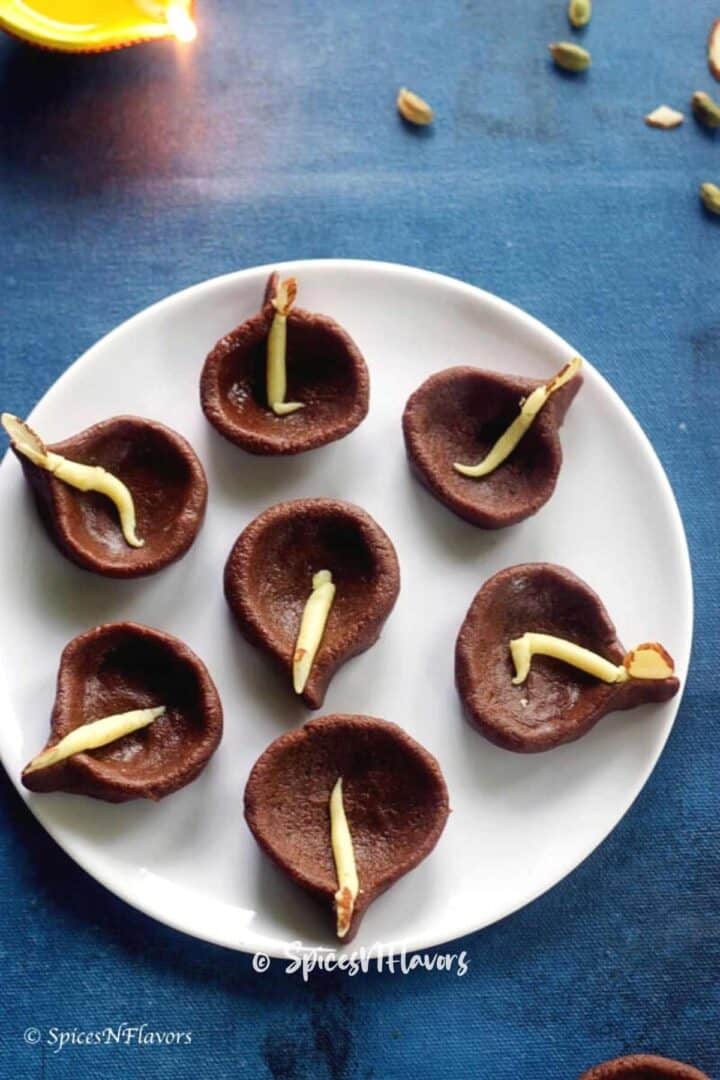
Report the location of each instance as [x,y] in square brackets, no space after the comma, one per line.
[649,661]
[285,296]
[664,117]
[24,439]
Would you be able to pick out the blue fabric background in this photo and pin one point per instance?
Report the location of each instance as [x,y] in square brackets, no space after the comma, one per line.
[128,176]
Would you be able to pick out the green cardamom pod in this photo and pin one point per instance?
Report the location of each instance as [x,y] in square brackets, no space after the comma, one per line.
[580,12]
[570,57]
[707,112]
[710,195]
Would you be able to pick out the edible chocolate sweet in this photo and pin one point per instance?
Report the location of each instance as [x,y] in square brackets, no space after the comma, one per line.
[165,479]
[395,798]
[325,372]
[643,1067]
[269,574]
[457,415]
[120,667]
[557,703]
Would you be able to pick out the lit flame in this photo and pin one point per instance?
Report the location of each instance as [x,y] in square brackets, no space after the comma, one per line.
[180,21]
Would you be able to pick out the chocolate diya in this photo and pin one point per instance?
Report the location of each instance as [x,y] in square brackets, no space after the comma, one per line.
[538,661]
[285,380]
[643,1067]
[311,582]
[124,498]
[487,445]
[345,805]
[136,716]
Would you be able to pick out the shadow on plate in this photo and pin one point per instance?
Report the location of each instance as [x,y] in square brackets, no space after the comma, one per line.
[458,539]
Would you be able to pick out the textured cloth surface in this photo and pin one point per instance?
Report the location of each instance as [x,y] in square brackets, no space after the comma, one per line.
[128,176]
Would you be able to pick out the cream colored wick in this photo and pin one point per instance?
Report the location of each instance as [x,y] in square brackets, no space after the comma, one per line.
[83,477]
[529,408]
[97,733]
[277,350]
[312,627]
[648,661]
[344,856]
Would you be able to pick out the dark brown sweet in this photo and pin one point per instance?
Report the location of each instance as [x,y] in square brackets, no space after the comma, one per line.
[458,415]
[268,579]
[561,702]
[325,371]
[164,476]
[394,794]
[643,1067]
[116,668]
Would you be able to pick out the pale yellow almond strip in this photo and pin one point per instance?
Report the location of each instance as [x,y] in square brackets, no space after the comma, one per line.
[312,627]
[344,856]
[276,371]
[97,733]
[648,661]
[82,477]
[529,409]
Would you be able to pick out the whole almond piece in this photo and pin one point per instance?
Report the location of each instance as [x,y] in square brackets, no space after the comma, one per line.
[710,195]
[579,13]
[714,49]
[707,112]
[664,117]
[413,108]
[569,56]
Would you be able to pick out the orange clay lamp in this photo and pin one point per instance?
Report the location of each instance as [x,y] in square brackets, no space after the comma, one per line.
[96,25]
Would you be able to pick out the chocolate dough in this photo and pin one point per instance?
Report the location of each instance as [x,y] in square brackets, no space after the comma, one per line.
[394,794]
[325,371]
[164,476]
[643,1067]
[457,415]
[268,579]
[115,668]
[561,702]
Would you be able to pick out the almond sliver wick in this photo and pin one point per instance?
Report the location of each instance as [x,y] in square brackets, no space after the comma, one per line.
[312,627]
[344,857]
[97,733]
[529,408]
[648,661]
[276,372]
[82,477]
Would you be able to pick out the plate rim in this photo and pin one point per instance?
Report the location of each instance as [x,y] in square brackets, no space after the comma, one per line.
[276,948]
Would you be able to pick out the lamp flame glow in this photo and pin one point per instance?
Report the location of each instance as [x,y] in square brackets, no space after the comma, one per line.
[180,21]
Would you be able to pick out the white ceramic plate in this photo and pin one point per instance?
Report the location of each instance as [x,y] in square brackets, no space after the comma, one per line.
[519,824]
